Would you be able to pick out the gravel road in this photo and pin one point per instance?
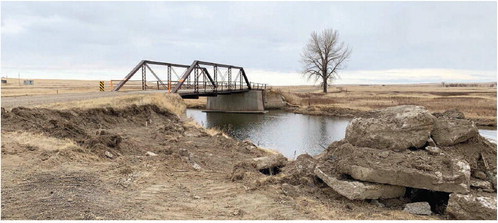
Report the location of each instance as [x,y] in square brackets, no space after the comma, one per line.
[34,100]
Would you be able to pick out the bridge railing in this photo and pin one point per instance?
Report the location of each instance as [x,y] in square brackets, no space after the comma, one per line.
[221,86]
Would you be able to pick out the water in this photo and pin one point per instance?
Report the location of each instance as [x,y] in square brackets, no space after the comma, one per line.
[289,133]
[489,134]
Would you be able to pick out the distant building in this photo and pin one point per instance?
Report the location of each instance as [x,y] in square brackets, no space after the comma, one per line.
[29,82]
[4,81]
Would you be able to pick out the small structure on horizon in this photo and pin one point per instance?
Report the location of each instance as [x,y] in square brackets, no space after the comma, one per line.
[29,82]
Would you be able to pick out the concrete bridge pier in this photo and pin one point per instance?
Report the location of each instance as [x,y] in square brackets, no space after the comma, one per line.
[245,102]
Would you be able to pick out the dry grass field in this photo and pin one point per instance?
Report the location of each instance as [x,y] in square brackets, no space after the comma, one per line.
[14,87]
[477,102]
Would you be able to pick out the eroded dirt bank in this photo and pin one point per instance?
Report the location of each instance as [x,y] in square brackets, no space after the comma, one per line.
[144,162]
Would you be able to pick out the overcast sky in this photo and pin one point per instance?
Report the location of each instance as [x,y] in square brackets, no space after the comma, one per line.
[392,42]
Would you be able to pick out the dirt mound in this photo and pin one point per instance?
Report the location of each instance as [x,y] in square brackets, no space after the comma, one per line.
[95,128]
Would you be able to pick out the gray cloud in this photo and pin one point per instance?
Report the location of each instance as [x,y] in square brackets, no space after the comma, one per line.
[87,36]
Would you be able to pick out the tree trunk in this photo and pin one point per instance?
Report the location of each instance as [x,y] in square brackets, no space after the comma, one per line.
[325,85]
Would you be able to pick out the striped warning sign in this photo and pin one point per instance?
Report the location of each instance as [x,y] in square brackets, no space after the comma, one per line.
[101,86]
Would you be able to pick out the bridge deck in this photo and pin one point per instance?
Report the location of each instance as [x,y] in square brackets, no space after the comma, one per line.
[195,95]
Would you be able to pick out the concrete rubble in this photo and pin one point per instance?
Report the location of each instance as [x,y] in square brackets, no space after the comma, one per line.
[448,132]
[472,206]
[405,169]
[397,128]
[419,208]
[268,162]
[357,190]
[407,148]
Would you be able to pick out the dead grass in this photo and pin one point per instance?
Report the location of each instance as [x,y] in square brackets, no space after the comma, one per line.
[57,86]
[171,102]
[478,101]
[39,140]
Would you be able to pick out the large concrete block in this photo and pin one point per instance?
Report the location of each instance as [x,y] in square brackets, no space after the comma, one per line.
[396,128]
[356,190]
[409,169]
[238,102]
[472,206]
[448,132]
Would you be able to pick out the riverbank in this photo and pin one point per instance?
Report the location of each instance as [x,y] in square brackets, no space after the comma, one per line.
[477,102]
[138,157]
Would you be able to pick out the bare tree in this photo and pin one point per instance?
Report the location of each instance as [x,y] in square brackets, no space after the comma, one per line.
[324,56]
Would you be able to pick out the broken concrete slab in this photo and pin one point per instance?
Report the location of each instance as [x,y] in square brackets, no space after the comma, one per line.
[472,206]
[448,132]
[481,184]
[419,208]
[396,128]
[267,162]
[409,169]
[433,150]
[356,190]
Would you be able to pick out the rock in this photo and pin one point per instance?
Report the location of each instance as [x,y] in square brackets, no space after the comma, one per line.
[420,208]
[472,206]
[289,190]
[396,128]
[196,197]
[300,168]
[451,114]
[414,169]
[377,203]
[480,175]
[448,132]
[196,166]
[356,190]
[148,153]
[481,184]
[267,162]
[384,154]
[108,154]
[184,152]
[433,150]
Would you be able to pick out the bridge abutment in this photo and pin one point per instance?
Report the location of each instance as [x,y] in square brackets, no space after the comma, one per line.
[245,102]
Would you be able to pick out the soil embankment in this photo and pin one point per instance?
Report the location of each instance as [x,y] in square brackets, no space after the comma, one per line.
[136,158]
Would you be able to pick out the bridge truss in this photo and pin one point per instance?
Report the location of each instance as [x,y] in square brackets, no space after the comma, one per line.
[196,79]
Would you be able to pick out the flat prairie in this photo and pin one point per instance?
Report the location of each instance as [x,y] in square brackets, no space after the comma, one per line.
[476,101]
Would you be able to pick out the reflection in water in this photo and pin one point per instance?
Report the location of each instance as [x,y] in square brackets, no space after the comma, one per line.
[289,133]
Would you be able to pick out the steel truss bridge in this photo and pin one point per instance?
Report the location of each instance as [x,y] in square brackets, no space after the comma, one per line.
[196,80]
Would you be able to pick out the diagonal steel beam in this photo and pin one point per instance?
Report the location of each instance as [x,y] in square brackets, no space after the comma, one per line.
[127,77]
[185,76]
[153,73]
[209,76]
[245,78]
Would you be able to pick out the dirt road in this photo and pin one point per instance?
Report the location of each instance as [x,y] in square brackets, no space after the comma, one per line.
[34,100]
